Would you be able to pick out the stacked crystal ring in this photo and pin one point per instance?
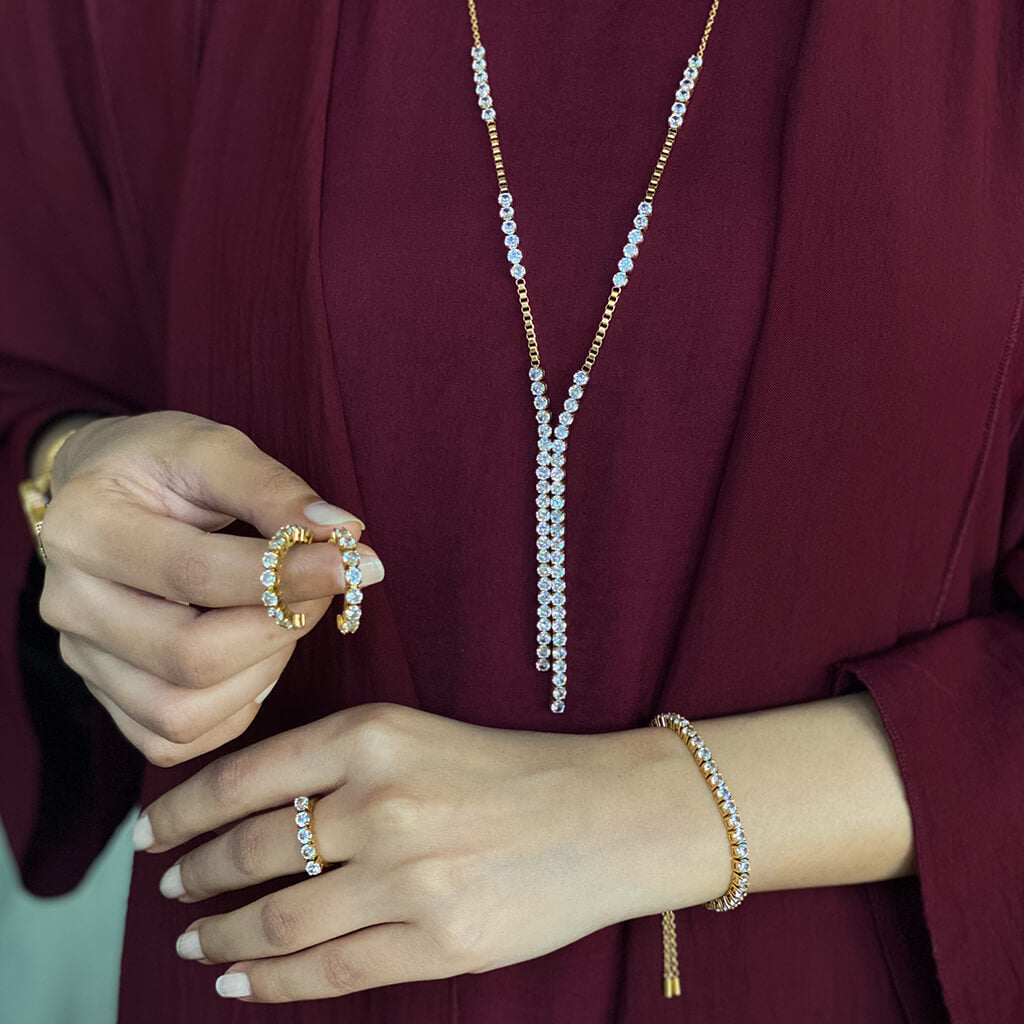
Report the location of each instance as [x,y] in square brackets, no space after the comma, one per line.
[348,620]
[739,883]
[280,544]
[307,835]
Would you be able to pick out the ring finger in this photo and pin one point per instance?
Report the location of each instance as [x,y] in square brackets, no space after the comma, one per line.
[256,850]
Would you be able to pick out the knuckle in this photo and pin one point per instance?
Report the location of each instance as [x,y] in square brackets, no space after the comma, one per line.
[377,731]
[190,665]
[280,923]
[177,722]
[459,935]
[344,973]
[395,809]
[226,781]
[247,850]
[160,753]
[188,577]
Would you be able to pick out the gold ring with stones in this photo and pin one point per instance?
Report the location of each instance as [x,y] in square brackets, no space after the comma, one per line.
[348,620]
[280,544]
[307,835]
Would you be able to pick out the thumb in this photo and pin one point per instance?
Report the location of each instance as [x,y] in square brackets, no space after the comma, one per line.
[233,476]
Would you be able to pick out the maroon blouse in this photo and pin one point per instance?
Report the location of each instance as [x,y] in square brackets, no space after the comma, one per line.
[797,471]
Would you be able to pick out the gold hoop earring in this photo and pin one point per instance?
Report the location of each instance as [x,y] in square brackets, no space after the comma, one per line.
[348,620]
[280,544]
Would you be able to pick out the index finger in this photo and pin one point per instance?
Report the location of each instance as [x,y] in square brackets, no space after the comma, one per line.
[268,774]
[140,548]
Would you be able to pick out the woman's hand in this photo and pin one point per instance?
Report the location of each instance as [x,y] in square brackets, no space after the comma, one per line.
[161,616]
[461,849]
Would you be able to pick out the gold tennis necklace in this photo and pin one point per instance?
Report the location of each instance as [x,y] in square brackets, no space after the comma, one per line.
[553,441]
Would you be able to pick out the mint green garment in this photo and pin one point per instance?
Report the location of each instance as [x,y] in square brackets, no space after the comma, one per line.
[60,958]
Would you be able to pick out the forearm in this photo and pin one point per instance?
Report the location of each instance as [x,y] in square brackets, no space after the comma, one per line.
[816,785]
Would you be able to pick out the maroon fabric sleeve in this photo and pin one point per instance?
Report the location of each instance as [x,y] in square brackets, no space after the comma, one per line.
[953,704]
[70,339]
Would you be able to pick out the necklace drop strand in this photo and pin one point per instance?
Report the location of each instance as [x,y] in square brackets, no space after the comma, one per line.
[553,436]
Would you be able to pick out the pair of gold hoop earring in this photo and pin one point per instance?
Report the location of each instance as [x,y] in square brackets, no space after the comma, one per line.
[270,577]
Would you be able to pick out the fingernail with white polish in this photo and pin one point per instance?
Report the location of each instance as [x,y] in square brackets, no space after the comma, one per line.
[325,514]
[142,834]
[261,697]
[371,567]
[188,946]
[232,986]
[170,883]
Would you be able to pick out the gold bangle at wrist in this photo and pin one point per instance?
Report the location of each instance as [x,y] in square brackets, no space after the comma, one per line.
[35,493]
[740,881]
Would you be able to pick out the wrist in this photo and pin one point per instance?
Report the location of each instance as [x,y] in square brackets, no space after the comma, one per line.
[668,846]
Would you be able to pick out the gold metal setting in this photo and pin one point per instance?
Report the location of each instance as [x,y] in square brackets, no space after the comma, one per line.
[273,559]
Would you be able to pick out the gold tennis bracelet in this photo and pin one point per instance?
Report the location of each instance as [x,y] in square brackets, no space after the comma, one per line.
[740,881]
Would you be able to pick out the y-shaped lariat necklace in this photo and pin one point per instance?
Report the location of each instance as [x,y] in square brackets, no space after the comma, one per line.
[553,441]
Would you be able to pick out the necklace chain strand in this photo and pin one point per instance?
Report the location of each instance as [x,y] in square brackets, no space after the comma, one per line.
[552,441]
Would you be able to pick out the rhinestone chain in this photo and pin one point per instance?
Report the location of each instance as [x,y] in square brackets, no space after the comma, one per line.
[553,440]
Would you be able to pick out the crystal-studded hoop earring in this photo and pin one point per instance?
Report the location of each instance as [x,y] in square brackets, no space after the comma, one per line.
[280,544]
[348,620]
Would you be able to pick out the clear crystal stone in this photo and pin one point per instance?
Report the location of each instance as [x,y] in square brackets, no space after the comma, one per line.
[543,665]
[640,221]
[559,653]
[538,387]
[512,241]
[729,807]
[557,488]
[620,280]
[675,121]
[312,868]
[350,558]
[302,818]
[354,576]
[625,264]
[277,542]
[270,600]
[571,404]
[477,51]
[354,596]
[558,706]
[561,432]
[268,577]
[645,208]
[679,109]
[743,865]
[301,803]
[479,64]
[354,613]
[543,416]
[269,560]
[479,76]
[305,835]
[630,250]
[635,236]
[565,417]
[509,227]
[518,271]
[580,377]
[558,446]
[536,373]
[488,114]
[558,693]
[543,472]
[514,255]
[507,213]
[309,851]
[559,638]
[483,89]
[741,850]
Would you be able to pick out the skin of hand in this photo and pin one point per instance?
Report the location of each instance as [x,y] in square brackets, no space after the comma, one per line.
[458,848]
[157,612]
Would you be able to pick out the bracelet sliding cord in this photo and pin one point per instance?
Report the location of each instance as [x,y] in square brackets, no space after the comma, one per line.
[740,881]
